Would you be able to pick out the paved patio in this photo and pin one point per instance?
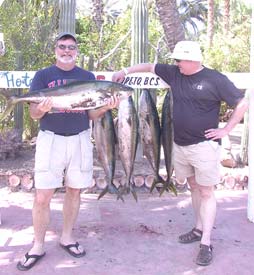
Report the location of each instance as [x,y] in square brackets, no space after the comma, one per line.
[130,238]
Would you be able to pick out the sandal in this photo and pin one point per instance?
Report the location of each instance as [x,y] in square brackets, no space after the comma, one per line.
[205,255]
[21,265]
[72,253]
[193,236]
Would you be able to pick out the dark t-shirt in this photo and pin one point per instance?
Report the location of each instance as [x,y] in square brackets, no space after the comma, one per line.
[196,101]
[63,122]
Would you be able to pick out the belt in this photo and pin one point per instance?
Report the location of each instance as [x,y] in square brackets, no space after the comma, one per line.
[64,134]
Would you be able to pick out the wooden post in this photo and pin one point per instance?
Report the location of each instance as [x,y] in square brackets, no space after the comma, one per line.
[19,111]
[251,131]
[245,134]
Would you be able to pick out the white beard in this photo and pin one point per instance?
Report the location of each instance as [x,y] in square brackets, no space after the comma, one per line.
[66,59]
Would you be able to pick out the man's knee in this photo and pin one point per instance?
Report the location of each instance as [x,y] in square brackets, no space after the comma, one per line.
[73,192]
[206,192]
[43,198]
[192,183]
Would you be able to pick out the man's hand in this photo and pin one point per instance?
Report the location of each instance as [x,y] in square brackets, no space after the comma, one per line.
[37,111]
[214,134]
[112,102]
[46,105]
[118,76]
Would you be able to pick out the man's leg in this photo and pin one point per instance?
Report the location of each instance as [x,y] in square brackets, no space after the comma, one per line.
[196,233]
[207,212]
[70,212]
[41,218]
[196,201]
[204,205]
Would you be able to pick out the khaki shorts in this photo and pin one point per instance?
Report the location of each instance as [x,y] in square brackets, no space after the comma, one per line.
[201,160]
[61,160]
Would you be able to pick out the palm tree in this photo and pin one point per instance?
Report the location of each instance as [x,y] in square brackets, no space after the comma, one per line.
[226,16]
[98,13]
[210,22]
[192,13]
[170,20]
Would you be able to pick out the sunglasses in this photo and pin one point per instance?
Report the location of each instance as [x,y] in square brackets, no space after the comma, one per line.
[69,47]
[178,60]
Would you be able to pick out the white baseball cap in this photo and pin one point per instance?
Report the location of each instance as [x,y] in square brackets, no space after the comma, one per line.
[187,50]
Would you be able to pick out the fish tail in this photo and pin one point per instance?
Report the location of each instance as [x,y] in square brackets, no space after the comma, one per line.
[172,188]
[103,192]
[169,186]
[155,182]
[120,193]
[113,189]
[134,194]
[5,93]
[158,180]
[9,108]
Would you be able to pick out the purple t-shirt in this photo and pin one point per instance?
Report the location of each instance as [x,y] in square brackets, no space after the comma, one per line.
[196,101]
[63,122]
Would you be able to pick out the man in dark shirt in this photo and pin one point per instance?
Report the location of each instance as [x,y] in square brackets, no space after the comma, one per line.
[63,151]
[197,95]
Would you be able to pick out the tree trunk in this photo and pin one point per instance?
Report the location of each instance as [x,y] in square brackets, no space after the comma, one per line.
[210,22]
[170,20]
[226,16]
[98,14]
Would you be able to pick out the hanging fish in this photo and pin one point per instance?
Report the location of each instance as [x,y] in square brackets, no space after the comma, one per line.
[167,141]
[105,140]
[150,134]
[127,141]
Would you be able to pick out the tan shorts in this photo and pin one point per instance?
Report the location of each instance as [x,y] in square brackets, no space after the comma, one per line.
[61,160]
[201,160]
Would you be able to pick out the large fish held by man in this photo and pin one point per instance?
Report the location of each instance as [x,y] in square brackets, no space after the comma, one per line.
[76,95]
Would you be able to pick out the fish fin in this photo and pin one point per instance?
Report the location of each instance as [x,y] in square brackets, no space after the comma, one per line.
[8,109]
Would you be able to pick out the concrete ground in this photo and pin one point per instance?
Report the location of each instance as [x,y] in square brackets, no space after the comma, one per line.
[130,238]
